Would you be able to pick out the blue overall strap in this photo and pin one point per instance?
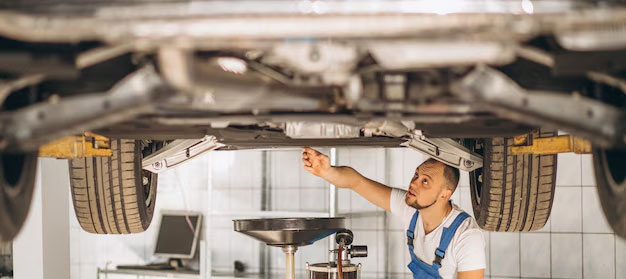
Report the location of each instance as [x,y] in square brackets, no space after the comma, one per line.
[446,237]
[419,269]
[410,233]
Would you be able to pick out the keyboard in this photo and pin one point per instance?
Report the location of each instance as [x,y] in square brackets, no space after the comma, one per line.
[160,266]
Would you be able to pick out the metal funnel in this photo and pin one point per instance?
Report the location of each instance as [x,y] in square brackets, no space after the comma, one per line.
[289,231]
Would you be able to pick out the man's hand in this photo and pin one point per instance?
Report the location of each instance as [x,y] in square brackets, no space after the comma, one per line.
[345,177]
[315,162]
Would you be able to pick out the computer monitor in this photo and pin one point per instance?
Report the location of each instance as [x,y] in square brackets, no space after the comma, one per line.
[178,234]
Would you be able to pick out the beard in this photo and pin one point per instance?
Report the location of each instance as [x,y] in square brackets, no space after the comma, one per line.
[416,204]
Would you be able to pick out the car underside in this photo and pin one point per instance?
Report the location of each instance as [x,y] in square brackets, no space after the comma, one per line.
[166,81]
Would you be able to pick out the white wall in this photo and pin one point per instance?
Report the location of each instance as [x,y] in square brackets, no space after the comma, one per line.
[575,243]
[42,249]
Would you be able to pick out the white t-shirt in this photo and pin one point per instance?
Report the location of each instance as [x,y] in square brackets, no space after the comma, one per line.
[466,250]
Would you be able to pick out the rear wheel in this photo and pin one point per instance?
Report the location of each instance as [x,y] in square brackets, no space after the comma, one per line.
[113,195]
[17,181]
[610,170]
[511,193]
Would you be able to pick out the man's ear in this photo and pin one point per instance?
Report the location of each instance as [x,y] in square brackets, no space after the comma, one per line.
[446,194]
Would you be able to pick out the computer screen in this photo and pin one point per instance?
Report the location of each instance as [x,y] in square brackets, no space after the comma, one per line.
[178,235]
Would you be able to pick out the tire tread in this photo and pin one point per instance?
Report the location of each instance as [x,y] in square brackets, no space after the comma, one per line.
[104,191]
[517,194]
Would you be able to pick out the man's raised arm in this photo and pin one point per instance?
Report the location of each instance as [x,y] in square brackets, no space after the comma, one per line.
[346,177]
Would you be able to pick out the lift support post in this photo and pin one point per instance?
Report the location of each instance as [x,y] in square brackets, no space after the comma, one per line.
[551,145]
[87,145]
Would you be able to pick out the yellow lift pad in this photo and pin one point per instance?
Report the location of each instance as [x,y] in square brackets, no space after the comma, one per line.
[551,145]
[87,145]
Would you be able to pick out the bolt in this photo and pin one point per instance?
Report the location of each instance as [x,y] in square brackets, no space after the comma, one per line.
[468,164]
[156,165]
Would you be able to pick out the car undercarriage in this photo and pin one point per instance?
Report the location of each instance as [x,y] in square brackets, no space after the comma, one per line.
[167,81]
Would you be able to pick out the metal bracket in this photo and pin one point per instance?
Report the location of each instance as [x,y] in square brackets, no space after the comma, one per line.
[553,145]
[36,125]
[178,151]
[444,150]
[603,124]
[87,145]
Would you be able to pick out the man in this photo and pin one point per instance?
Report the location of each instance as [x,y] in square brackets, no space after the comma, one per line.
[443,241]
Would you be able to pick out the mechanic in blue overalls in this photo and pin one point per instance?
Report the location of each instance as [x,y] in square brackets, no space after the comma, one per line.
[443,241]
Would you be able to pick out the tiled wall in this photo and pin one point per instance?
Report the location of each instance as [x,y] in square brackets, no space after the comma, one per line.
[576,243]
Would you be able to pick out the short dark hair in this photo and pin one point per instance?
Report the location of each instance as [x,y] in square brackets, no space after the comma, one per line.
[452,175]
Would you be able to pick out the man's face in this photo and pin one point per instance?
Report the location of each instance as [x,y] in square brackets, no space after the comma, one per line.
[426,185]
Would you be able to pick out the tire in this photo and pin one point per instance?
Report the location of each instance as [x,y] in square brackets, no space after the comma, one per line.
[17,182]
[610,171]
[113,195]
[512,193]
